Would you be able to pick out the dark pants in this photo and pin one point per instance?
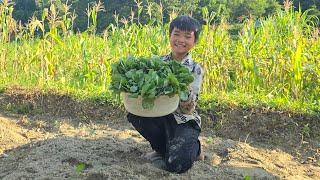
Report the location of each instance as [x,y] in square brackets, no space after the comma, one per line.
[177,143]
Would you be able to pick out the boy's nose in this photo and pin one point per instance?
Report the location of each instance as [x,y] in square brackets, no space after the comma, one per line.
[180,40]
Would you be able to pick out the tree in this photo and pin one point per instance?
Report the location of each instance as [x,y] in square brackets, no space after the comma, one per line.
[120,8]
[303,5]
[24,9]
[241,9]
[233,10]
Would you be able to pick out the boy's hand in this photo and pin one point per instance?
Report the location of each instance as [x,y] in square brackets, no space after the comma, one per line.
[187,107]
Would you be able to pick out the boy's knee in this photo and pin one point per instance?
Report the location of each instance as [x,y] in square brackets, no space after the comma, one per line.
[178,164]
[135,121]
[181,155]
[132,118]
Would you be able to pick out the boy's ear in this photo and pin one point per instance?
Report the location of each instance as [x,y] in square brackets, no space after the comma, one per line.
[195,39]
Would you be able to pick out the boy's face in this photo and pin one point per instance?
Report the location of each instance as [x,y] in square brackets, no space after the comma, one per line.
[181,41]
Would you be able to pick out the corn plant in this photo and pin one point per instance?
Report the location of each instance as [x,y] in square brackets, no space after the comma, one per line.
[275,59]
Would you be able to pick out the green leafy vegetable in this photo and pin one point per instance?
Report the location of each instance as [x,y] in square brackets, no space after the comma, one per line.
[150,78]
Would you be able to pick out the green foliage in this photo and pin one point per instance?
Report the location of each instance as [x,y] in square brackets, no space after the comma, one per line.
[247,177]
[304,5]
[80,167]
[274,64]
[184,7]
[150,78]
[255,8]
[209,140]
[239,10]
[306,130]
[145,11]
[24,9]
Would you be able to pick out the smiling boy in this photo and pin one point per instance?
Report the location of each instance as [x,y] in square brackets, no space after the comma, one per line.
[174,137]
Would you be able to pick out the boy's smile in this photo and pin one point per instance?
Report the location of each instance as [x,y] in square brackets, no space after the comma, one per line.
[181,42]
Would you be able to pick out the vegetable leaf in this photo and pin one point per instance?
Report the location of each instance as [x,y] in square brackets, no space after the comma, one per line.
[150,77]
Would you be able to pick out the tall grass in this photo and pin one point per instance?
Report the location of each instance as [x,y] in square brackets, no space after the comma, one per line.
[275,62]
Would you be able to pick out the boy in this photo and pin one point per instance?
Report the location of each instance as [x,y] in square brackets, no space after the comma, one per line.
[174,137]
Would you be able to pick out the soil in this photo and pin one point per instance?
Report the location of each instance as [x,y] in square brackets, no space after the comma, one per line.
[52,136]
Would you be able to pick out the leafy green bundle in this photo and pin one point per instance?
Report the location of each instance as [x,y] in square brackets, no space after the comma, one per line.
[150,78]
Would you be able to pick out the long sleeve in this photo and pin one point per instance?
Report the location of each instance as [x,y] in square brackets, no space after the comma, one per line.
[186,110]
[188,107]
[197,83]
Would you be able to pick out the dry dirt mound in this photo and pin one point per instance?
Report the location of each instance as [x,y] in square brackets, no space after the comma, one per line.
[12,135]
[102,151]
[52,136]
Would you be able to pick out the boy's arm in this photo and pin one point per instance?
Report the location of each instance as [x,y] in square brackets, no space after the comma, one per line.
[188,107]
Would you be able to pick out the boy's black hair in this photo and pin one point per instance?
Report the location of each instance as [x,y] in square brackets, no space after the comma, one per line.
[186,23]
